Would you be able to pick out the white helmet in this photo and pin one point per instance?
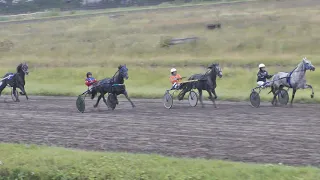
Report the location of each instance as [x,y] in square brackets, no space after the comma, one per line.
[262,65]
[173,70]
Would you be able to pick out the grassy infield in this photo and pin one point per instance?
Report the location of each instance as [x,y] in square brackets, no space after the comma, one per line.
[61,52]
[58,163]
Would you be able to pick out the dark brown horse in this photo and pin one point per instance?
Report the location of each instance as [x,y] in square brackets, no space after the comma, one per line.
[205,81]
[16,80]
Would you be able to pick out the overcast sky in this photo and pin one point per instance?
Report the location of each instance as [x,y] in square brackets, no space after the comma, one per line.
[84,1]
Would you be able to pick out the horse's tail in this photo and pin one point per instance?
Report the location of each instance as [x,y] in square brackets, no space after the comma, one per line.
[186,88]
[271,89]
[182,94]
[94,92]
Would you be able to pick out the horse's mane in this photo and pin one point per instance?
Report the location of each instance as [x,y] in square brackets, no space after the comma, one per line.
[19,67]
[114,77]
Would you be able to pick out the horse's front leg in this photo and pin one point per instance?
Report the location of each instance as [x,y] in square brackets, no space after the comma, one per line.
[99,98]
[211,98]
[23,92]
[310,87]
[125,93]
[214,93]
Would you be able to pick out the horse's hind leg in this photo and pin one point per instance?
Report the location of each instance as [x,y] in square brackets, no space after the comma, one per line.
[274,99]
[310,87]
[3,85]
[293,94]
[105,101]
[99,98]
[126,95]
[14,89]
[200,97]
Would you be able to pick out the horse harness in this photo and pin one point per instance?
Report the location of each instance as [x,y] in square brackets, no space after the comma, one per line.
[10,76]
[289,76]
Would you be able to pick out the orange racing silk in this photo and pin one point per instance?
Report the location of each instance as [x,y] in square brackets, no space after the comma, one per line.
[175,79]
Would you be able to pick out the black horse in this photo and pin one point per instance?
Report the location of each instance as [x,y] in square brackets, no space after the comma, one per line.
[205,81]
[107,86]
[16,80]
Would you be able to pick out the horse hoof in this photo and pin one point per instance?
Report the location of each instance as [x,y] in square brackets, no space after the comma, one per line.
[312,96]
[95,106]
[216,97]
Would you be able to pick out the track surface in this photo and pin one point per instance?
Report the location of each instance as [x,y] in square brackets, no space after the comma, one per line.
[234,131]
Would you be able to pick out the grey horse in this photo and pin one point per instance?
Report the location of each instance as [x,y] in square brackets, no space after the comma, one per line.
[295,79]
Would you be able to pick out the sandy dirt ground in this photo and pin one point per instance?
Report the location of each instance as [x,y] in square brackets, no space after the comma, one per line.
[234,131]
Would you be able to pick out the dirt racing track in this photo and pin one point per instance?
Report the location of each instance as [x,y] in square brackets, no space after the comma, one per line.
[234,131]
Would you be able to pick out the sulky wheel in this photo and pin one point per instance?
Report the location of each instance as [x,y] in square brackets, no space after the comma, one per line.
[112,101]
[193,98]
[283,97]
[14,98]
[80,103]
[255,99]
[167,100]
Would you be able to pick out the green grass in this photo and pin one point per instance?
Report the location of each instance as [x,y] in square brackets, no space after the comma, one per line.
[40,162]
[152,82]
[61,52]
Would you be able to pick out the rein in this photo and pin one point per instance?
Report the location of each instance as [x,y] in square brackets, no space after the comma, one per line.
[114,75]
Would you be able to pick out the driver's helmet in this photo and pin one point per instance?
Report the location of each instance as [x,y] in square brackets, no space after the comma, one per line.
[173,70]
[261,66]
[89,73]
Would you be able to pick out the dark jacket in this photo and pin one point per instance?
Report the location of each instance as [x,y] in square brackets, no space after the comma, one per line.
[263,76]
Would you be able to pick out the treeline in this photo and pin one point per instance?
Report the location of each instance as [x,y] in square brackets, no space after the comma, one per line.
[29,6]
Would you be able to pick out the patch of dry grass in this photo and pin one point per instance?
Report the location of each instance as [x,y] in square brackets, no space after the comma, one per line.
[249,35]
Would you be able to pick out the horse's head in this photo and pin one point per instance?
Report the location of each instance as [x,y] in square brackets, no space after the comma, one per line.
[308,65]
[216,68]
[123,71]
[23,68]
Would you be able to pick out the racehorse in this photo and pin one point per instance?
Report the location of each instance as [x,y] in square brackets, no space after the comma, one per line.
[105,86]
[295,79]
[206,82]
[16,80]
